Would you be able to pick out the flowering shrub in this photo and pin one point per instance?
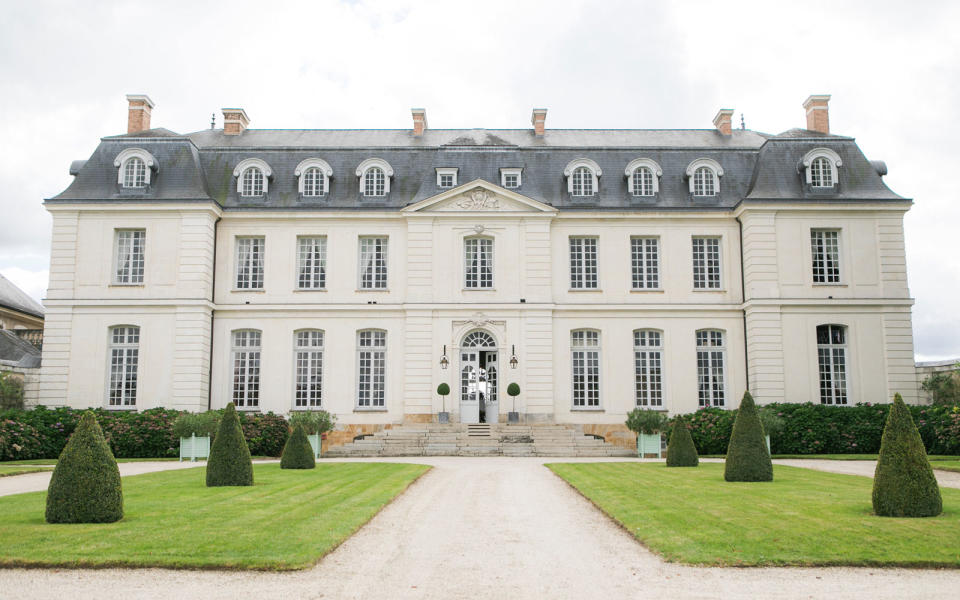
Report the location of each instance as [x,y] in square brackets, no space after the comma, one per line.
[19,440]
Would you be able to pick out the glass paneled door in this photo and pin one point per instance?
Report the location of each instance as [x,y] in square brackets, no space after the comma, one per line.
[478,379]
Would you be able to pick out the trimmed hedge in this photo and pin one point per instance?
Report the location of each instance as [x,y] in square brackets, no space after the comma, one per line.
[229,462]
[298,453]
[85,486]
[680,450]
[747,456]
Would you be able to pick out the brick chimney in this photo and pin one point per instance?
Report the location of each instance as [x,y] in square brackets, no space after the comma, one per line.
[723,121]
[818,114]
[419,120]
[539,120]
[235,121]
[138,112]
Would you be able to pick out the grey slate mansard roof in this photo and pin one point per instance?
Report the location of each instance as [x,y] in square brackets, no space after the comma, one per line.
[199,166]
[13,297]
[17,352]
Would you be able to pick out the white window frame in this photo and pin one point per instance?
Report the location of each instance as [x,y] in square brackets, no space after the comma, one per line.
[711,280]
[447,172]
[246,354]
[643,163]
[149,162]
[387,176]
[581,267]
[592,167]
[644,276]
[833,160]
[301,171]
[376,282]
[311,262]
[648,368]
[251,163]
[509,172]
[308,360]
[714,167]
[587,345]
[825,269]
[129,270]
[713,358]
[377,346]
[256,264]
[478,281]
[835,358]
[123,367]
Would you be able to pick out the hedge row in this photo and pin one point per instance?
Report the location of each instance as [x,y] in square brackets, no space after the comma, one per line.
[43,432]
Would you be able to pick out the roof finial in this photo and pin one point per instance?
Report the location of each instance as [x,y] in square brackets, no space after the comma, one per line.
[742,124]
[213,120]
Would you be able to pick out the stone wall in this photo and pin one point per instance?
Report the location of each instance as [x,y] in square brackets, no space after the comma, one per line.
[30,379]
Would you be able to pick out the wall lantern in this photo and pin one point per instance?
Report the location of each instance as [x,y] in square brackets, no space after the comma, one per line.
[443,360]
[513,358]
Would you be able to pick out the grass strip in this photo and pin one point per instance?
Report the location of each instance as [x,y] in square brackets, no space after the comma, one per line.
[6,471]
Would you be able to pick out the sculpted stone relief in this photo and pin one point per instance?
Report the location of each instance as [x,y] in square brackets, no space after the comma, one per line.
[479,200]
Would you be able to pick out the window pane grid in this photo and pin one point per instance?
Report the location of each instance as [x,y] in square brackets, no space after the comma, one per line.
[373,263]
[582,182]
[250,263]
[703,182]
[821,174]
[134,173]
[585,356]
[832,363]
[478,263]
[706,263]
[309,366]
[371,369]
[374,182]
[642,182]
[583,263]
[124,360]
[645,261]
[252,182]
[130,261]
[311,263]
[511,181]
[648,368]
[710,368]
[246,369]
[826,255]
[313,182]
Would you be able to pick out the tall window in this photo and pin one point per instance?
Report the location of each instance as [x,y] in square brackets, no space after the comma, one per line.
[642,181]
[821,173]
[645,262]
[246,368]
[478,263]
[124,358]
[134,173]
[373,263]
[308,358]
[128,267]
[371,368]
[582,181]
[711,355]
[826,255]
[832,363]
[374,182]
[585,356]
[704,183]
[706,263]
[311,263]
[648,368]
[252,183]
[583,263]
[250,263]
[313,182]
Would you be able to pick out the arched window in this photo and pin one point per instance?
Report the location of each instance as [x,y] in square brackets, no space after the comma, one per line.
[582,177]
[252,182]
[253,177]
[582,182]
[704,175]
[375,174]
[643,177]
[134,173]
[371,368]
[822,167]
[313,174]
[313,182]
[585,361]
[821,175]
[479,339]
[832,363]
[308,358]
[124,363]
[648,367]
[246,368]
[134,168]
[711,357]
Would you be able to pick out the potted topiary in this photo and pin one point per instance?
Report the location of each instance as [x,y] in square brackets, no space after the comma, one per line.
[648,425]
[195,431]
[443,416]
[316,423]
[513,390]
[772,424]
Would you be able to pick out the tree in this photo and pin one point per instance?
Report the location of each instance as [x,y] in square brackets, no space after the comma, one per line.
[944,386]
[680,450]
[904,484]
[85,486]
[443,390]
[647,422]
[747,455]
[298,453]
[229,462]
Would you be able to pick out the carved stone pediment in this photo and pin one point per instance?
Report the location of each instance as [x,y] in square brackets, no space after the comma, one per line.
[478,199]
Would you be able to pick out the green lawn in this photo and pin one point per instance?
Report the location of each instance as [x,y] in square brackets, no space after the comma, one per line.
[6,471]
[288,520]
[946,465]
[803,517]
[53,461]
[932,457]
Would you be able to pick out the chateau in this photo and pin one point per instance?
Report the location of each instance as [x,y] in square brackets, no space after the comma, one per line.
[356,270]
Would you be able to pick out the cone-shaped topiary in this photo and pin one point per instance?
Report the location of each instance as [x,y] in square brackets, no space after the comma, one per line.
[903,484]
[680,451]
[229,462]
[85,486]
[298,453]
[747,455]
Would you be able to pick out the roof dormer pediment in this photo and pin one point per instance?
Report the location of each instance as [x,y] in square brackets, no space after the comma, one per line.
[480,196]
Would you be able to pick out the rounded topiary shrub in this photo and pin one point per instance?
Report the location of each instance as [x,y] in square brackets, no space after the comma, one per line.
[298,453]
[904,484]
[747,455]
[229,462]
[680,450]
[85,486]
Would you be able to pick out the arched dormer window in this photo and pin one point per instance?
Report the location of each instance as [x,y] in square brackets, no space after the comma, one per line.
[583,177]
[821,165]
[135,166]
[643,177]
[313,177]
[253,177]
[374,174]
[704,175]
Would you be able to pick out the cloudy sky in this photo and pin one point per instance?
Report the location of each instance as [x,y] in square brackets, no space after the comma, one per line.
[893,69]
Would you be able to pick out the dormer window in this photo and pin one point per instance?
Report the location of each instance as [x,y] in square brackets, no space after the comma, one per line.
[375,174]
[643,177]
[510,178]
[822,167]
[313,176]
[134,168]
[447,177]
[253,178]
[704,175]
[582,177]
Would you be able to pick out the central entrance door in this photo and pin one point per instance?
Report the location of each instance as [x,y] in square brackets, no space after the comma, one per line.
[479,381]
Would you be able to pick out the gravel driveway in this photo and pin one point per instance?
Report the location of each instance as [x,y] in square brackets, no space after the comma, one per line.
[503,528]
[861,467]
[39,482]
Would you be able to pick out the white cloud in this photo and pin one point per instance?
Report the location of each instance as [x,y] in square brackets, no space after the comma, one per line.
[34,283]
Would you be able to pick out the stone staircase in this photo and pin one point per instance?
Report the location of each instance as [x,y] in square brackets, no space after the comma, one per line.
[540,439]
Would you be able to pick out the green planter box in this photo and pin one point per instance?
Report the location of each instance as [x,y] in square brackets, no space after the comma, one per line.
[194,447]
[316,444]
[648,443]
